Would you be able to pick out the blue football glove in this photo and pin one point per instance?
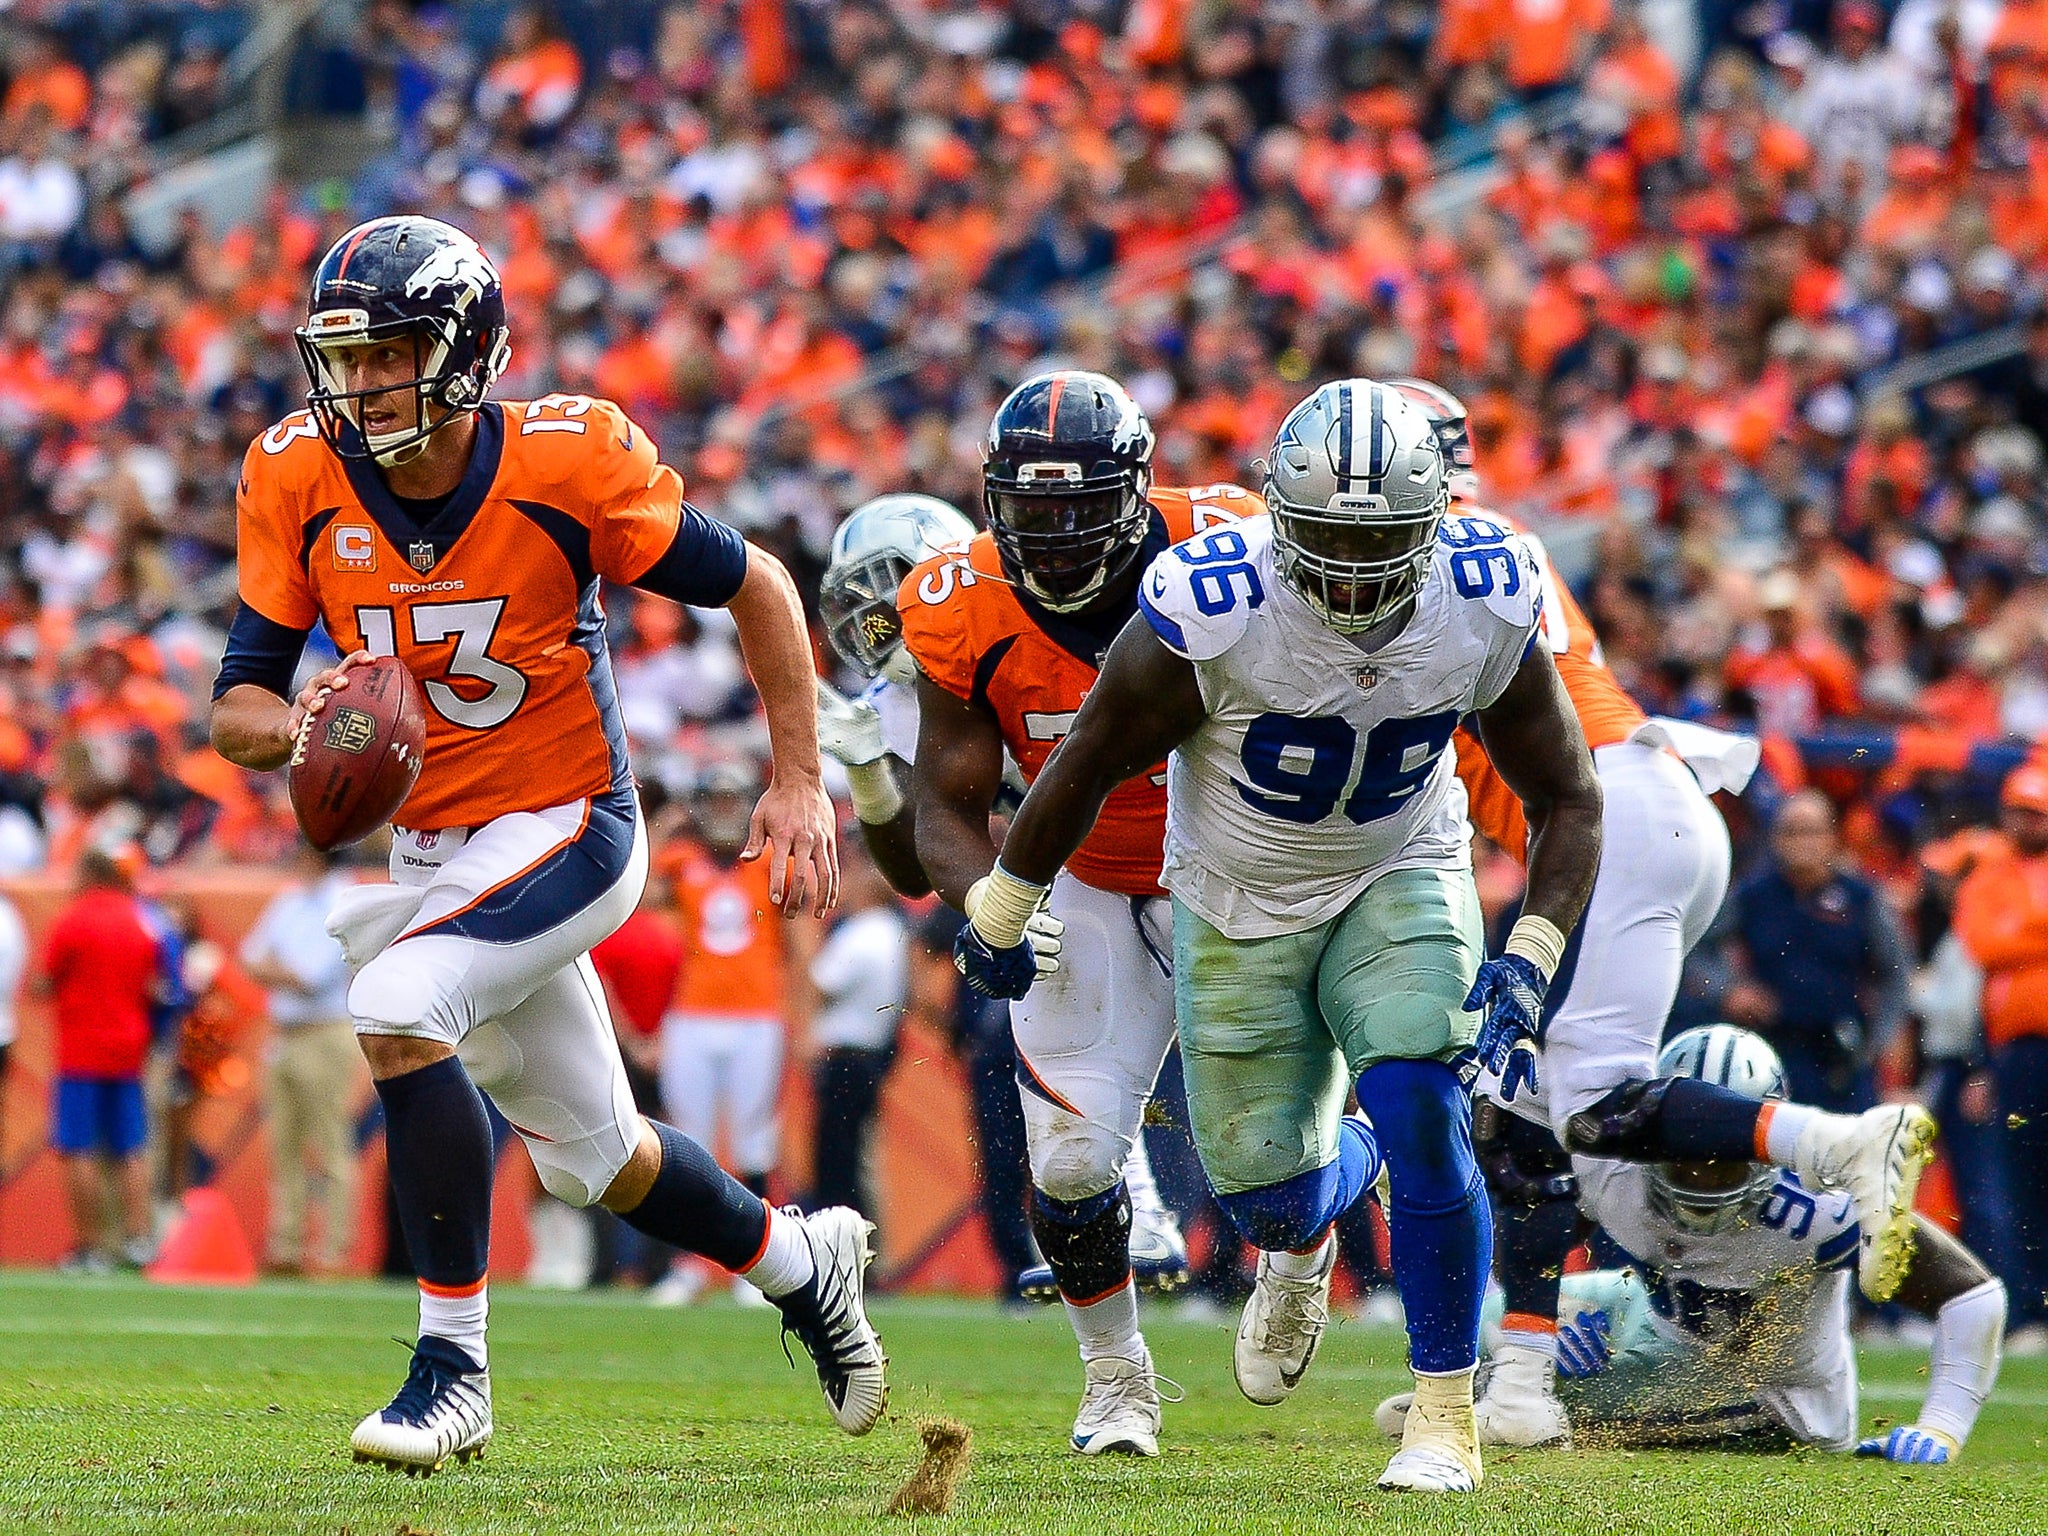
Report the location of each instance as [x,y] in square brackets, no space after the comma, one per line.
[1582,1346]
[1510,990]
[1909,1442]
[1003,973]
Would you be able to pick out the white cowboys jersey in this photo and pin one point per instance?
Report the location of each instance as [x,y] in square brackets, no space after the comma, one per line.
[1321,765]
[1776,1287]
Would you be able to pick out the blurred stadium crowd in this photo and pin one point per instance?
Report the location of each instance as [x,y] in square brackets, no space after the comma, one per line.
[1746,302]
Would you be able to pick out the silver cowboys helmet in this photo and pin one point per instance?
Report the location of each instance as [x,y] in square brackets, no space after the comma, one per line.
[1356,487]
[874,549]
[1705,1198]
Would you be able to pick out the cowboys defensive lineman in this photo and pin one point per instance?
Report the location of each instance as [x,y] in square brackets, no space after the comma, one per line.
[1307,672]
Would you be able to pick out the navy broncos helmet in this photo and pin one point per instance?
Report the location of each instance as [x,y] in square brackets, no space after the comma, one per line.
[418,283]
[1064,481]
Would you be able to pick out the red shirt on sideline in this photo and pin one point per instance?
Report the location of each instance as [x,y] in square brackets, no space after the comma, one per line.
[639,964]
[102,962]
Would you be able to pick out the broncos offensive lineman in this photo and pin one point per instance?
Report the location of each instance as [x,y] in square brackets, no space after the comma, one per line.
[874,737]
[1306,672]
[1663,874]
[1726,1320]
[416,517]
[1007,641]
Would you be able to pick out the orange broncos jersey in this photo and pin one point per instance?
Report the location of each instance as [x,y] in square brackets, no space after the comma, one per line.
[1606,713]
[733,957]
[492,604]
[970,634]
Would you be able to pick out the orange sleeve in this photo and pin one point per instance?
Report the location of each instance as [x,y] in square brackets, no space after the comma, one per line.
[271,570]
[1835,677]
[936,627]
[1995,923]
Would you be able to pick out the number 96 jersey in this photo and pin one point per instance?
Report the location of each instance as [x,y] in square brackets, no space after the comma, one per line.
[1322,764]
[493,601]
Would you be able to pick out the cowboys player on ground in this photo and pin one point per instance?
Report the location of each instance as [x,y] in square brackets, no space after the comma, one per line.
[1726,1319]
[1306,672]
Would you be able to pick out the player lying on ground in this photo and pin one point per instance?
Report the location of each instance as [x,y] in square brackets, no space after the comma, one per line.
[1306,672]
[875,738]
[1007,641]
[415,517]
[1729,1324]
[1663,874]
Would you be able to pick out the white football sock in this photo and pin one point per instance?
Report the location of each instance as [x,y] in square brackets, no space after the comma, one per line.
[458,1319]
[1109,1326]
[1302,1266]
[786,1263]
[1785,1124]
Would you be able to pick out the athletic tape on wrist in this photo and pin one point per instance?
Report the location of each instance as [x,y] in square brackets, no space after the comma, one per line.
[999,905]
[1537,940]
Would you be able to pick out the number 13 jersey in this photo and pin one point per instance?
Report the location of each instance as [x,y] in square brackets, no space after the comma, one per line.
[492,603]
[1321,765]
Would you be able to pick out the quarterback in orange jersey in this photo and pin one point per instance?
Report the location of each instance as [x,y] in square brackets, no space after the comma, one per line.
[1007,640]
[1663,873]
[413,516]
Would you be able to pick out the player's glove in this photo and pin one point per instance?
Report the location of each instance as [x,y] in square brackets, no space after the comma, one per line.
[848,729]
[1510,991]
[1910,1442]
[997,951]
[1582,1345]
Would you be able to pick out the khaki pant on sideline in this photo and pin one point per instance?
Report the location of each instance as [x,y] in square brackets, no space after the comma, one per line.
[315,1073]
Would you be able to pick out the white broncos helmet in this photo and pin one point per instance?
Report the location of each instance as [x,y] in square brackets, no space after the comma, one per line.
[874,549]
[1705,1198]
[1356,487]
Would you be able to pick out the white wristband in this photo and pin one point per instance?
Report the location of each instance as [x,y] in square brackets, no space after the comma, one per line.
[872,786]
[999,905]
[1537,940]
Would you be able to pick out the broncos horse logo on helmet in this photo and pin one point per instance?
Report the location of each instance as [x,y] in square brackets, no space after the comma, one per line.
[414,282]
[1064,481]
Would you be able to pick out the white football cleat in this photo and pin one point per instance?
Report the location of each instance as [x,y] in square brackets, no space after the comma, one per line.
[1520,1406]
[679,1287]
[829,1317]
[848,729]
[442,1411]
[1877,1157]
[1439,1449]
[1119,1407]
[1282,1325]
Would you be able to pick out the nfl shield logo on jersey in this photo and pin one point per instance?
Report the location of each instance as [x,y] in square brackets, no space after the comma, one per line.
[422,556]
[1368,679]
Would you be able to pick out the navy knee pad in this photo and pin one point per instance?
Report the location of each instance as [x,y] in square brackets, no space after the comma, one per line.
[1086,1242]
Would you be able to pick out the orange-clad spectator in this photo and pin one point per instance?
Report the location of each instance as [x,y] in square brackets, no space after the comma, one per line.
[44,77]
[2001,916]
[2017,53]
[1545,40]
[121,690]
[1917,206]
[1969,702]
[1635,76]
[1467,32]
[1798,677]
[536,74]
[1888,455]
[1156,32]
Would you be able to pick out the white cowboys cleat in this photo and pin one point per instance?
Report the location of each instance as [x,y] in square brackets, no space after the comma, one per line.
[829,1317]
[1877,1157]
[1120,1407]
[442,1411]
[1439,1451]
[1282,1325]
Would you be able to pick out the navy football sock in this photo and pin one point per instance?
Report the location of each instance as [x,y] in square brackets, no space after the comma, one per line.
[1293,1215]
[437,1142]
[1704,1122]
[696,1205]
[1535,1210]
[1441,1236]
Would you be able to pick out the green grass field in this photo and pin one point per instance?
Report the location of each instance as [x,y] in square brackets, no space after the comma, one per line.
[125,1408]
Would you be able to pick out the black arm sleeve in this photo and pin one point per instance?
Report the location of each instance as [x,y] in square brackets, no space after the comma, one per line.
[262,652]
[703,567]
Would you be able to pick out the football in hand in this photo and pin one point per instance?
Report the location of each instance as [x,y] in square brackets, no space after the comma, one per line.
[354,763]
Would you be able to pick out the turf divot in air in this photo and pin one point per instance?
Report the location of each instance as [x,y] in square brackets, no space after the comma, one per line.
[931,1485]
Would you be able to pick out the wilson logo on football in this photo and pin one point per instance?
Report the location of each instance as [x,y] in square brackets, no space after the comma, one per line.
[350,730]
